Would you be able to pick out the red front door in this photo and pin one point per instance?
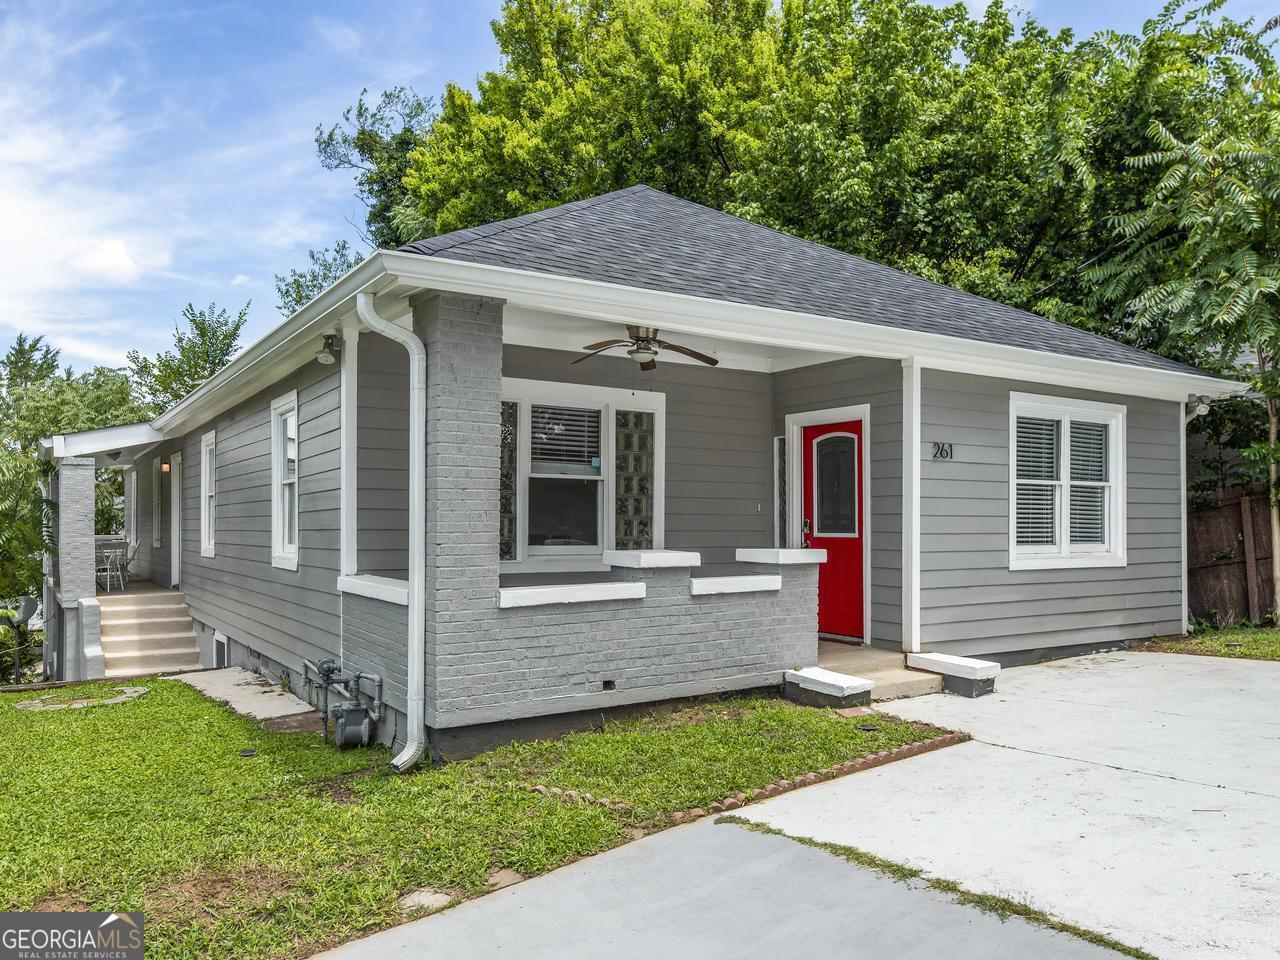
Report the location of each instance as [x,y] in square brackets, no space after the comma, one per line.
[833,521]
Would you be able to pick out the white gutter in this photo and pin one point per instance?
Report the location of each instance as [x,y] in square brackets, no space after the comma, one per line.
[416,706]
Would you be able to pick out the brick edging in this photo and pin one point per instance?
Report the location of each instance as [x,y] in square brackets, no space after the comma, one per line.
[948,738]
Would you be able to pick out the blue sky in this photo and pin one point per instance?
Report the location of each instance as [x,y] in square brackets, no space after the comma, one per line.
[155,153]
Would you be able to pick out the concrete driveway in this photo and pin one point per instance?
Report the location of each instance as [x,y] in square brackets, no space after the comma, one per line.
[712,891]
[1136,794]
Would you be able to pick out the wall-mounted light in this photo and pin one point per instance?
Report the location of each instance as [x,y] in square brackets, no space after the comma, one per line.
[164,467]
[328,354]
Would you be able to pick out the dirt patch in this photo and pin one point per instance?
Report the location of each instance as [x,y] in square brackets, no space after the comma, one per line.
[207,897]
[60,903]
[338,789]
[297,723]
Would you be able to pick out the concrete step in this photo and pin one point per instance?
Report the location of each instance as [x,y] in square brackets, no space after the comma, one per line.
[173,665]
[155,660]
[129,607]
[896,684]
[179,640]
[146,626]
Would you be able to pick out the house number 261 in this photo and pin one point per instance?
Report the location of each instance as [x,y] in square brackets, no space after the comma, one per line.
[942,451]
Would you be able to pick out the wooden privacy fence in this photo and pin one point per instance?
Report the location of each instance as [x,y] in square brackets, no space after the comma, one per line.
[1229,559]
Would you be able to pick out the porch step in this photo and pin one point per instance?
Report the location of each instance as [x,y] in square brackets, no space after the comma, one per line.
[151,660]
[167,623]
[896,684]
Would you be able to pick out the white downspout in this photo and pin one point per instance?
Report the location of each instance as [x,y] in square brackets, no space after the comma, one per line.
[416,706]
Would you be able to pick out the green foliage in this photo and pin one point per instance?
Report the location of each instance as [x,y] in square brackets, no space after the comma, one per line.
[298,846]
[298,287]
[206,345]
[988,153]
[1207,639]
[373,141]
[39,400]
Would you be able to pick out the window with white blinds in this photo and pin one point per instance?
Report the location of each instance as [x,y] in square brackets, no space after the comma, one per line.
[583,472]
[1067,488]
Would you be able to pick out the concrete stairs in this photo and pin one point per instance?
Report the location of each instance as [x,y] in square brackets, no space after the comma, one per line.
[896,684]
[147,631]
[886,669]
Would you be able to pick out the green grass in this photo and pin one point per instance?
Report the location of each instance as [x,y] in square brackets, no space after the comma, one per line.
[1002,907]
[149,805]
[1246,643]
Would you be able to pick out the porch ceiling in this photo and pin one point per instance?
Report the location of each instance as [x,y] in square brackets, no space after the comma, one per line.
[532,327]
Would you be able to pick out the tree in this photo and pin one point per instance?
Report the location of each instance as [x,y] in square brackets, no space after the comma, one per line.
[373,141]
[39,400]
[298,287]
[1211,232]
[210,340]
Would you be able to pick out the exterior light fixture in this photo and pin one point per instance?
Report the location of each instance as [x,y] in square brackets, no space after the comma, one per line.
[164,467]
[328,354]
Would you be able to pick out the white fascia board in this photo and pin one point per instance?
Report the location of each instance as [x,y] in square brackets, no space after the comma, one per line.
[88,443]
[967,668]
[376,588]
[570,593]
[793,329]
[652,559]
[706,586]
[273,355]
[784,557]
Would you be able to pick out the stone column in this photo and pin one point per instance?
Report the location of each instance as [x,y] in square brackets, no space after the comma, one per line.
[463,337]
[82,652]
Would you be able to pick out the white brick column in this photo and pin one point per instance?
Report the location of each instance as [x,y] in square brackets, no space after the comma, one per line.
[76,561]
[463,337]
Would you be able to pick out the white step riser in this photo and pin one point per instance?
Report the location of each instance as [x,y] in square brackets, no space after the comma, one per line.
[151,669]
[130,608]
[152,660]
[146,627]
[129,645]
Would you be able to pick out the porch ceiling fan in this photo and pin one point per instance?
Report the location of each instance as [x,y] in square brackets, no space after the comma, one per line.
[643,347]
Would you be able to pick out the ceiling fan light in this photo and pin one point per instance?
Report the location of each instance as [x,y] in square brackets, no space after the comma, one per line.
[642,354]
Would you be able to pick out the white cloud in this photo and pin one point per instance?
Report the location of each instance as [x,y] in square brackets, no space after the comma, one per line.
[239,280]
[339,36]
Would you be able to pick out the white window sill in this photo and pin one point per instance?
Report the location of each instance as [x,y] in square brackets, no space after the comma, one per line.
[1067,562]
[206,551]
[652,559]
[704,586]
[782,556]
[509,597]
[376,588]
[285,562]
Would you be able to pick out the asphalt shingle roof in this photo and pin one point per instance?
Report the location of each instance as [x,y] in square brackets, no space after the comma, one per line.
[642,237]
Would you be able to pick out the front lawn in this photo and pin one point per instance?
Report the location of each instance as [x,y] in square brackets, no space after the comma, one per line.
[236,842]
[1249,643]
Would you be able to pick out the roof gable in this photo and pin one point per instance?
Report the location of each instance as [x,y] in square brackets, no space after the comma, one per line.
[642,237]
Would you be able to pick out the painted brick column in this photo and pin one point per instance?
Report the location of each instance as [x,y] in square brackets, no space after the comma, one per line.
[463,337]
[75,528]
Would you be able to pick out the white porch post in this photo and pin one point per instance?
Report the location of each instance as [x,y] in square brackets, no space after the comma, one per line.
[911,505]
[76,588]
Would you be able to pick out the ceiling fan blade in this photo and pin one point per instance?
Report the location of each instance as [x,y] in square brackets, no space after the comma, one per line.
[610,346]
[649,365]
[688,352]
[604,344]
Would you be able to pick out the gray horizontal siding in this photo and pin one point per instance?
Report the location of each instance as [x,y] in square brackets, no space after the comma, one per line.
[284,614]
[971,602]
[878,383]
[374,641]
[719,492]
[382,471]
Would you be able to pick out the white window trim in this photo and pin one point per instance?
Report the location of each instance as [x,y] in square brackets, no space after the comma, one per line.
[1064,556]
[156,507]
[283,555]
[607,400]
[208,491]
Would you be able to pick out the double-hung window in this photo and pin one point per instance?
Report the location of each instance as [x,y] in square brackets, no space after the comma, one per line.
[1067,488]
[284,481]
[208,482]
[581,472]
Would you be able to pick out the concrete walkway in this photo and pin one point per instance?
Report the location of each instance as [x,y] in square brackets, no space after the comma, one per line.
[247,693]
[1135,794]
[711,891]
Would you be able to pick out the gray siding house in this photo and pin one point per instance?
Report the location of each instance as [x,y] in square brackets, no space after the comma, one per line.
[629,449]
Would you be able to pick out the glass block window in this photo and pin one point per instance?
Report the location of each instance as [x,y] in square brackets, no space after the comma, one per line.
[633,480]
[508,477]
[780,485]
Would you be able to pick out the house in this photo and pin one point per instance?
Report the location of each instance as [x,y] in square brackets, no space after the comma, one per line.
[496,469]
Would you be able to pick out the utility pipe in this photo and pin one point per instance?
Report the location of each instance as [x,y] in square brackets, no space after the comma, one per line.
[416,744]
